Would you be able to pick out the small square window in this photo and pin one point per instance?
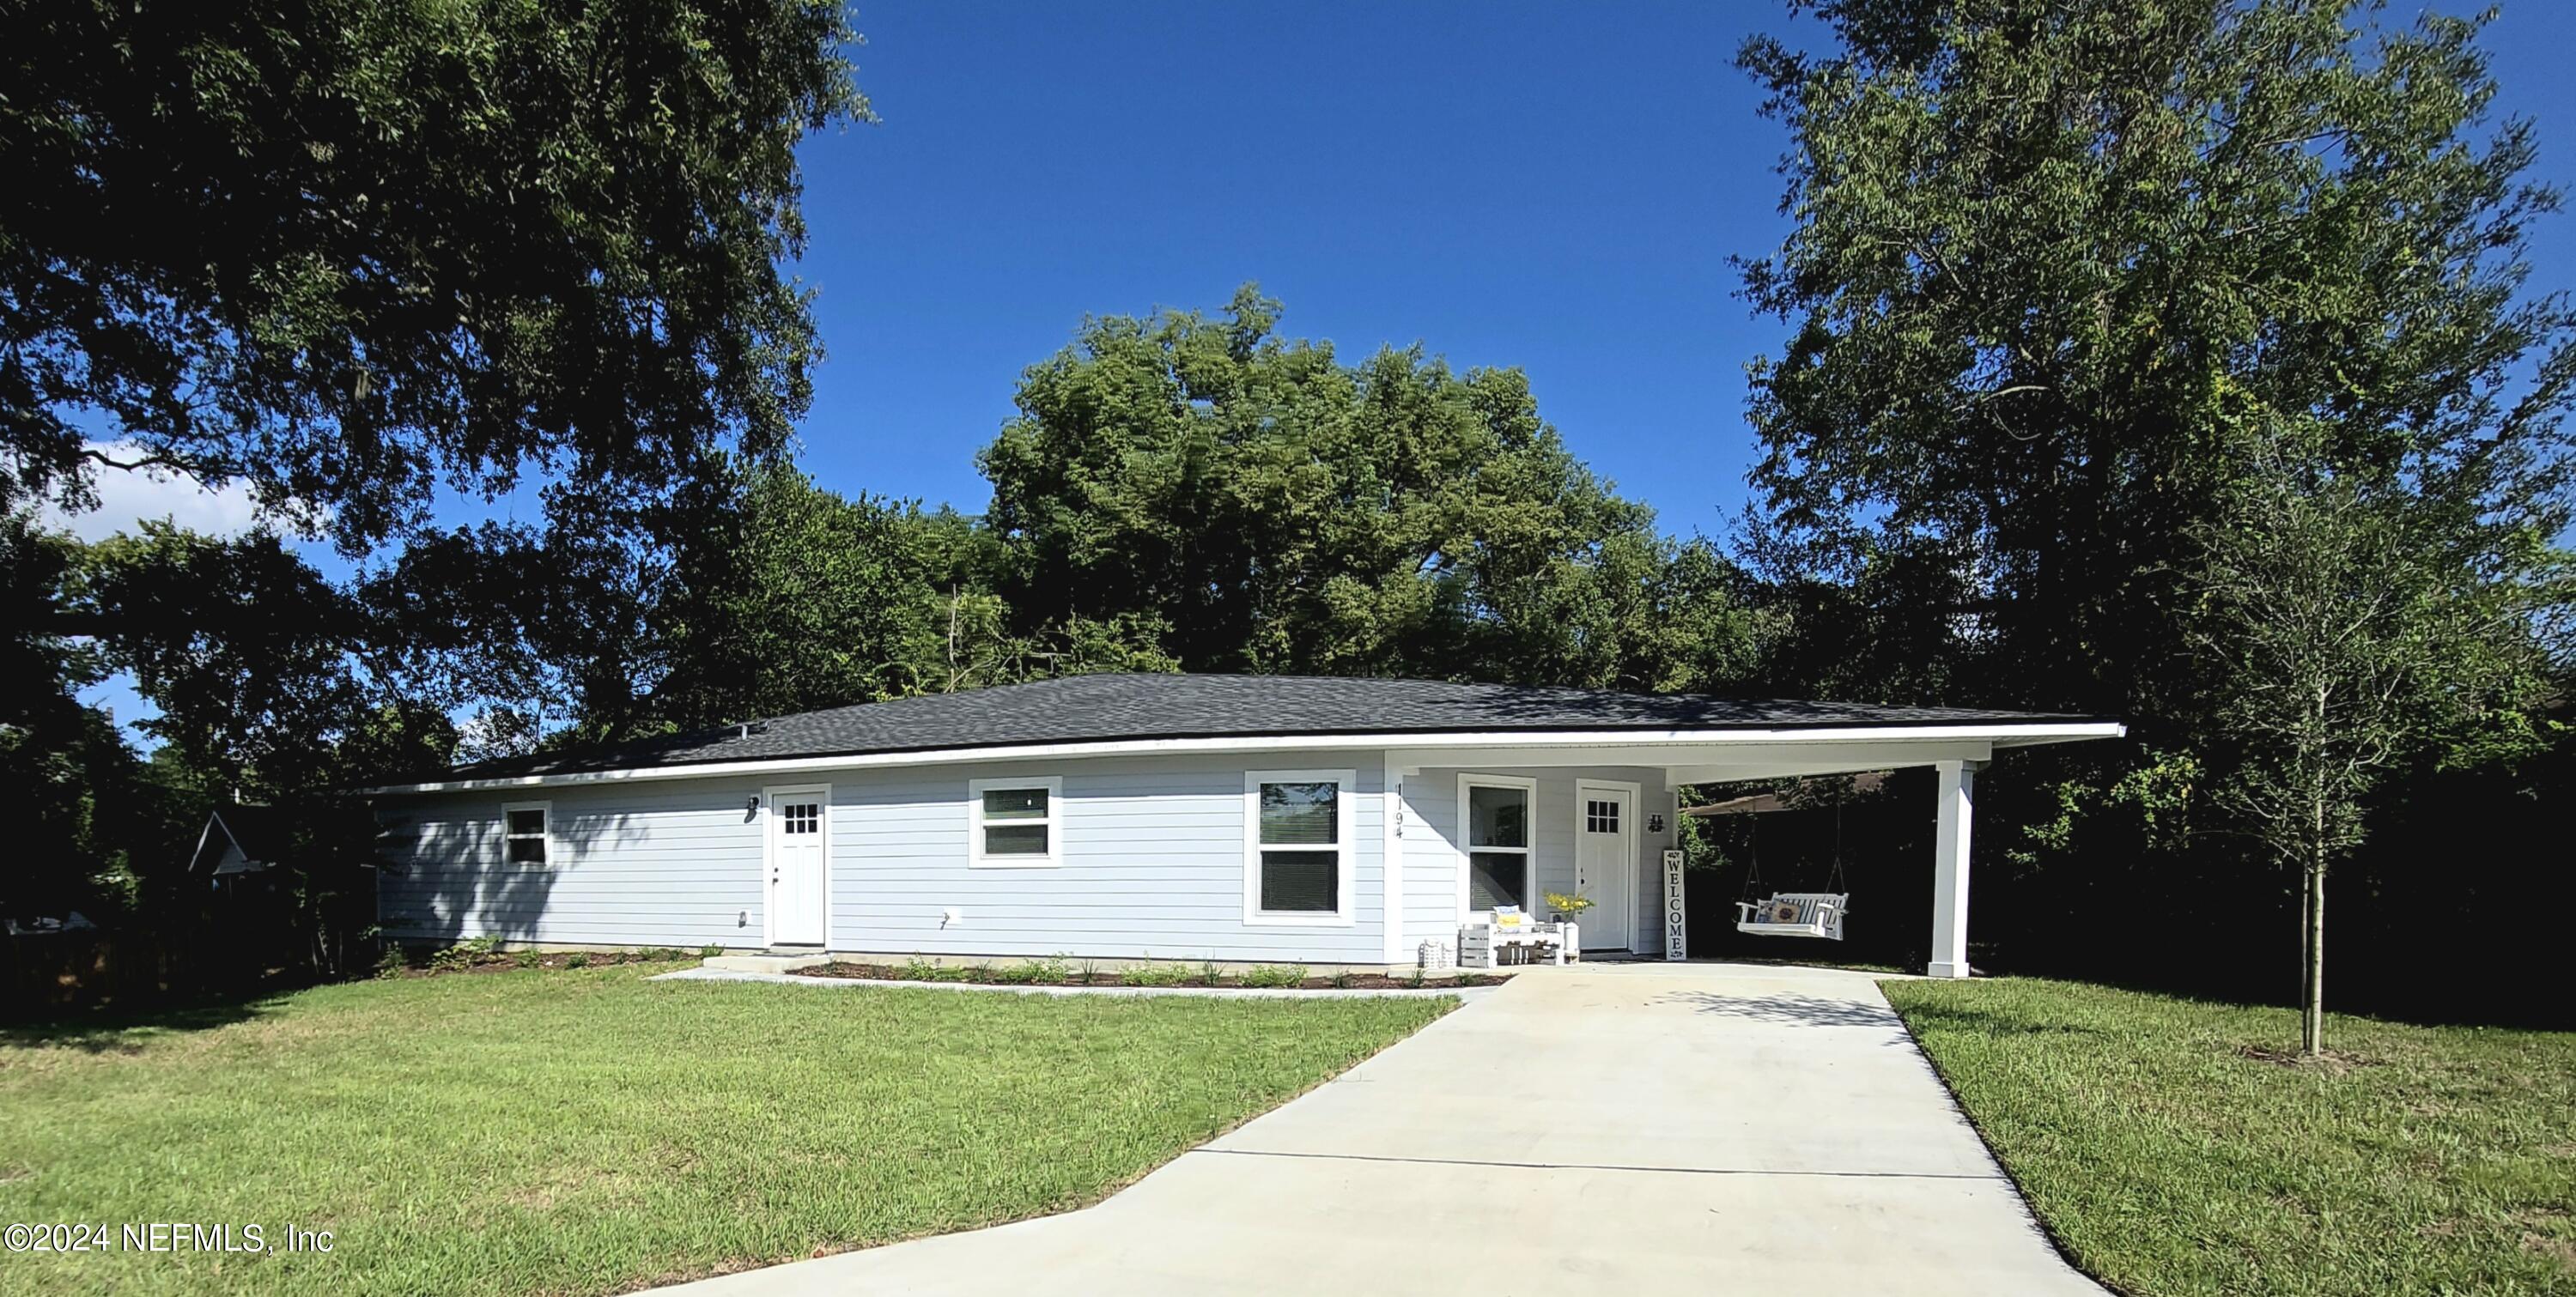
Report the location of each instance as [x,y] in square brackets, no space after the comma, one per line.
[523,833]
[1013,821]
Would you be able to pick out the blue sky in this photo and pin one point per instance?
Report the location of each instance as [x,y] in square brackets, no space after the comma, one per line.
[1555,187]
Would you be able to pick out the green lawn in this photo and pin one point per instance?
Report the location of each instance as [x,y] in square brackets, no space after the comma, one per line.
[2168,1161]
[590,1131]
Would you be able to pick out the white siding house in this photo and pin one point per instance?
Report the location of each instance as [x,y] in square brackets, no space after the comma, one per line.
[1237,819]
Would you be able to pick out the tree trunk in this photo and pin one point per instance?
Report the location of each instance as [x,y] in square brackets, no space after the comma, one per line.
[2312,993]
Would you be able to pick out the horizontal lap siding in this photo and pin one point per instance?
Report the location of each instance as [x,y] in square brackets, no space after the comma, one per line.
[1152,848]
[1152,865]
[673,863]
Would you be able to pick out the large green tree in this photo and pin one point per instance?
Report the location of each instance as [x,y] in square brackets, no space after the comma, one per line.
[806,599]
[348,253]
[2055,268]
[1280,511]
[2048,255]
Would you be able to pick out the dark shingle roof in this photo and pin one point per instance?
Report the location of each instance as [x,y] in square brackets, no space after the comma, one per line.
[1099,707]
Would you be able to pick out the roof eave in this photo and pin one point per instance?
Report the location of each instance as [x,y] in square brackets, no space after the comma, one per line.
[2000,734]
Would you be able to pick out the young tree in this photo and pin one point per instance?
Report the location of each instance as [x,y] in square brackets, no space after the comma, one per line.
[2344,622]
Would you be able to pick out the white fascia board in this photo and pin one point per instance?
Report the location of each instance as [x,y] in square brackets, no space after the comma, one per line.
[2001,735]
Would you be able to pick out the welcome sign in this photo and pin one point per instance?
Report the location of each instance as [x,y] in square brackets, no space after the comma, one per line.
[1676,926]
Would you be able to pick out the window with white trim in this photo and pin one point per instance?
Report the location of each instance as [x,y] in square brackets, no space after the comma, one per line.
[1015,822]
[1497,842]
[1297,846]
[525,832]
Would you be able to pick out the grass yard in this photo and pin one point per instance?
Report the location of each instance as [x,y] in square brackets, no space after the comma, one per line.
[590,1131]
[2170,1159]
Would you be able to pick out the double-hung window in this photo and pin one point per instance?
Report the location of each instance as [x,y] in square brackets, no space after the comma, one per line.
[1297,846]
[1015,822]
[524,832]
[1497,840]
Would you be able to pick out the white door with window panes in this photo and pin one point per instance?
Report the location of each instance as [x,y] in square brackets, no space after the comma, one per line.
[1605,863]
[797,874]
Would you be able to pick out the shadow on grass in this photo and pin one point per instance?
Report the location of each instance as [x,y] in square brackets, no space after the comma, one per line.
[114,1031]
[1924,1017]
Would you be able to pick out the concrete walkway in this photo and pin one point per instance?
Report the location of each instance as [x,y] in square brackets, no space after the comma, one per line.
[1614,1129]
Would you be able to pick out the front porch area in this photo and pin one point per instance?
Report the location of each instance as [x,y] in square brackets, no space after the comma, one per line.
[1479,826]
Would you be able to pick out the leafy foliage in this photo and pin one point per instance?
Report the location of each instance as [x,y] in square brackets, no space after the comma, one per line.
[1279,511]
[347,257]
[2062,275]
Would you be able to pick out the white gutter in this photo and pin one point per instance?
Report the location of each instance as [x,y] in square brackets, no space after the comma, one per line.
[2006,735]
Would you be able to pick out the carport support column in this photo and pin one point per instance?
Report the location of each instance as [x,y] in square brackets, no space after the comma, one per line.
[1951,823]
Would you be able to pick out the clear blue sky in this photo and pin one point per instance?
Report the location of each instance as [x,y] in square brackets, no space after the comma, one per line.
[1555,187]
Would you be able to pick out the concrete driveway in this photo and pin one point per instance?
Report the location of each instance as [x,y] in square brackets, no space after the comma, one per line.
[1616,1129]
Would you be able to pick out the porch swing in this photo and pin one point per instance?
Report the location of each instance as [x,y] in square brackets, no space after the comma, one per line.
[1794,914]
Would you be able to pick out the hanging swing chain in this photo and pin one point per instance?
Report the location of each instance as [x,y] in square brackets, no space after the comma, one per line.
[1835,884]
[1753,856]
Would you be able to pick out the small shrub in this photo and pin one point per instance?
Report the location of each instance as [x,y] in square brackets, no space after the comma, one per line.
[1152,975]
[527,958]
[1090,970]
[1345,980]
[1417,977]
[1275,976]
[918,969]
[577,959]
[1050,971]
[661,952]
[1209,975]
[390,962]
[710,952]
[977,972]
[451,958]
[1015,975]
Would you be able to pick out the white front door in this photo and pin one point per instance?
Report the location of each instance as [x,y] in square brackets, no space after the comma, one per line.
[1605,863]
[797,878]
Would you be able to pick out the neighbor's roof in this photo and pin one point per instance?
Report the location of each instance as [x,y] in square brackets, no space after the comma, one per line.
[1094,708]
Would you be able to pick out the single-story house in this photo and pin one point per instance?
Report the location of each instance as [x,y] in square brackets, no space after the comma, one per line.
[1321,821]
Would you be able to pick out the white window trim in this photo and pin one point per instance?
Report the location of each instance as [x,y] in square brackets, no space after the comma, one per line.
[1345,871]
[1054,822]
[770,796]
[547,835]
[1529,853]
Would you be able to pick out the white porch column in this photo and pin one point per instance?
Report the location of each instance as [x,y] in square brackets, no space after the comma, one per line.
[1951,823]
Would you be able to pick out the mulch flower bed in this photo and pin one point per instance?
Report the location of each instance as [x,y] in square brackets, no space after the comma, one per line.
[446,963]
[1023,975]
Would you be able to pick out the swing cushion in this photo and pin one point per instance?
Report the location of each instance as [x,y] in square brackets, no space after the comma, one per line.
[1784,911]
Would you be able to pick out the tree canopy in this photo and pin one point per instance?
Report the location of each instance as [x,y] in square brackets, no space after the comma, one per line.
[351,254]
[2051,259]
[1280,511]
[2178,361]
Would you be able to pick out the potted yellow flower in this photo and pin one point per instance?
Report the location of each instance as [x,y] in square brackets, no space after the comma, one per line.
[1569,909]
